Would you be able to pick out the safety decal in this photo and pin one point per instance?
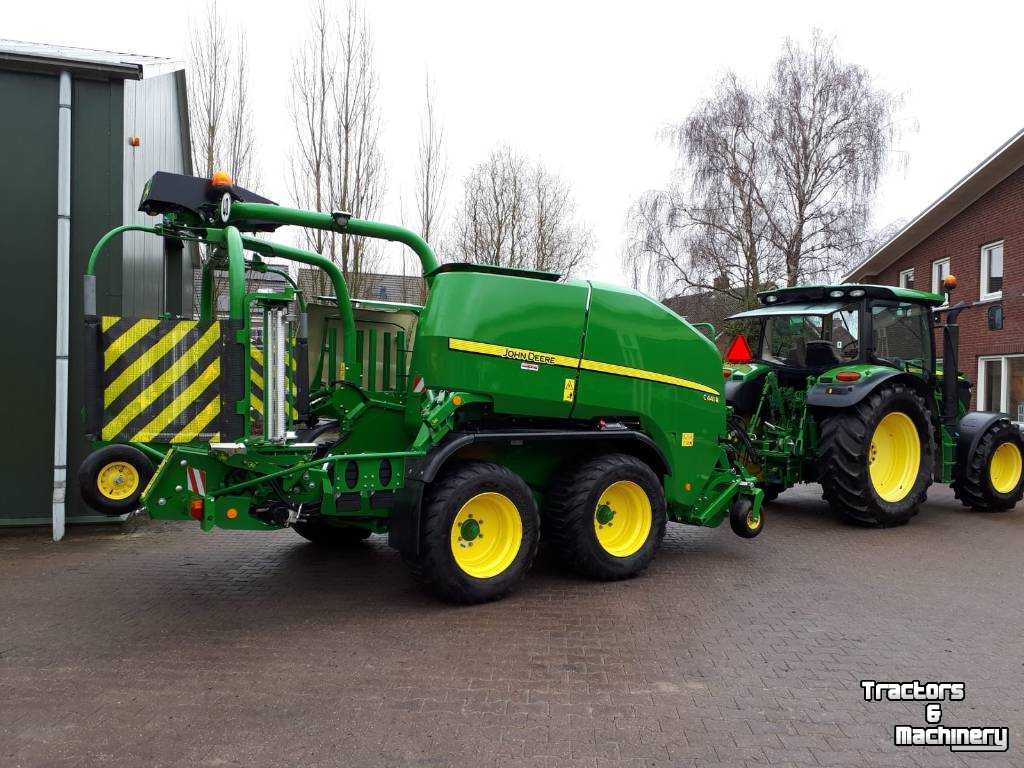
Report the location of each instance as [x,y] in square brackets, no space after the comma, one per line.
[161,379]
[196,480]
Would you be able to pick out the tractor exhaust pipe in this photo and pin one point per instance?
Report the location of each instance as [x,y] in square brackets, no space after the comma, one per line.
[951,364]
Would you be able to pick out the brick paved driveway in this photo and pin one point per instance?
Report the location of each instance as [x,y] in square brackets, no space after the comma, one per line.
[163,646]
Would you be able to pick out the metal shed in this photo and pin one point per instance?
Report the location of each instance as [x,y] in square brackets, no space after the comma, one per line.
[82,131]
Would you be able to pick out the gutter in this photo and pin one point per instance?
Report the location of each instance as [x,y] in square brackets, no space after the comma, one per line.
[60,410]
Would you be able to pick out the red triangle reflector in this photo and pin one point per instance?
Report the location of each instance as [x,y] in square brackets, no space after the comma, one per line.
[739,351]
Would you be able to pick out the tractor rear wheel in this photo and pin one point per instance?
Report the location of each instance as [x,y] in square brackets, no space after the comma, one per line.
[327,535]
[607,517]
[113,478]
[480,533]
[877,457]
[993,480]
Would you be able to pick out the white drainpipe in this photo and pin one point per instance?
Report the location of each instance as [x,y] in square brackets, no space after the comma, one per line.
[60,409]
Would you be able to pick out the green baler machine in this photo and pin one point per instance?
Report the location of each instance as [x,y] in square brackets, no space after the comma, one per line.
[511,405]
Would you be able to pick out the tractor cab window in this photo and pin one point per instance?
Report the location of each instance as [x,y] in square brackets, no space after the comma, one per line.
[811,341]
[901,335]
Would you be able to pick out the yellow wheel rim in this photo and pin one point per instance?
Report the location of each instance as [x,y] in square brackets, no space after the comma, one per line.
[117,480]
[486,535]
[894,457]
[1005,468]
[622,519]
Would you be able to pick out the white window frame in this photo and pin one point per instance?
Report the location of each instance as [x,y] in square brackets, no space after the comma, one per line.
[984,270]
[904,272]
[936,283]
[1004,383]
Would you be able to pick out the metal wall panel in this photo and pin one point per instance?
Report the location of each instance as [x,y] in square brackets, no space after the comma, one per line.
[28,219]
[152,113]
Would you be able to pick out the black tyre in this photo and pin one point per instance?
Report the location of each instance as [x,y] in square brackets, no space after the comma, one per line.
[325,534]
[771,492]
[877,457]
[480,533]
[586,505]
[992,480]
[112,479]
[741,518]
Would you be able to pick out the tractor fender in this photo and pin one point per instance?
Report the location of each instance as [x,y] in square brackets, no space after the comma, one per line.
[405,519]
[971,428]
[841,394]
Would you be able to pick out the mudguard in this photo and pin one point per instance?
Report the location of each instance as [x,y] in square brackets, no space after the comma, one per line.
[830,393]
[971,429]
[405,519]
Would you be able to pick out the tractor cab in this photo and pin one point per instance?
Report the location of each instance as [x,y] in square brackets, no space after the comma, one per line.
[808,332]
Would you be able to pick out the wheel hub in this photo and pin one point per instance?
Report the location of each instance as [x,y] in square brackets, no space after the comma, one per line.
[486,556]
[623,518]
[605,514]
[470,529]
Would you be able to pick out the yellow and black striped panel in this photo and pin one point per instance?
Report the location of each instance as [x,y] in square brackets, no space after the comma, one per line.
[161,379]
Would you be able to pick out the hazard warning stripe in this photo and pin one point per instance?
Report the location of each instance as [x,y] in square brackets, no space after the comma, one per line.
[164,385]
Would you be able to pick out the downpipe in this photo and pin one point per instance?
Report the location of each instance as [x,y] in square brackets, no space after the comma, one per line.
[60,409]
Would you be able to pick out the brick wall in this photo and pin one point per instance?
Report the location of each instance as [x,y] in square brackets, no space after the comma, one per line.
[998,215]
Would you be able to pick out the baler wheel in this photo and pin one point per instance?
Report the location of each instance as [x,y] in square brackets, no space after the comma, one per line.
[742,520]
[113,478]
[877,457]
[480,533]
[585,507]
[993,479]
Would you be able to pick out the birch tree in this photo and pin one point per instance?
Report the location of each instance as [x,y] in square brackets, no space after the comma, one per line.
[774,183]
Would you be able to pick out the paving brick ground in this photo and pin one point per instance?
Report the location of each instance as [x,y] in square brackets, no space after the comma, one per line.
[159,645]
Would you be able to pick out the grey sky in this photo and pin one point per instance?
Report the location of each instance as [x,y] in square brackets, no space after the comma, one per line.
[587,86]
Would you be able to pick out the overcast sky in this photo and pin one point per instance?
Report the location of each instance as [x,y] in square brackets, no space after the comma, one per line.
[586,86]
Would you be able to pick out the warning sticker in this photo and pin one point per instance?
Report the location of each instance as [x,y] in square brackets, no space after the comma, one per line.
[530,367]
[570,390]
[687,439]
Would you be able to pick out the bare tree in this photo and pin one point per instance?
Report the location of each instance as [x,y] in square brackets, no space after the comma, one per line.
[432,169]
[357,167]
[774,184]
[312,91]
[220,113]
[518,215]
[337,163]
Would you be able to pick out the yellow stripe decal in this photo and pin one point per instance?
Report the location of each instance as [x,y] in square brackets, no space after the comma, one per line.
[123,343]
[513,353]
[531,356]
[171,412]
[108,321]
[147,359]
[149,395]
[256,403]
[637,373]
[257,354]
[191,430]
[256,379]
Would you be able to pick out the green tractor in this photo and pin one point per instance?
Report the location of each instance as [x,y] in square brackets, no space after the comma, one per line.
[510,406]
[841,385]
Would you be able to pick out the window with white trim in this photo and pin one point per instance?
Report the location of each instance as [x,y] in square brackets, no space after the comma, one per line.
[907,278]
[1001,385]
[940,271]
[992,271]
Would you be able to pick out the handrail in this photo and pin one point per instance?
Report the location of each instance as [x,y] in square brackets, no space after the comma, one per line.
[277,214]
[90,268]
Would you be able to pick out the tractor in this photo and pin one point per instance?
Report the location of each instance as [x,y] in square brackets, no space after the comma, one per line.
[511,406]
[841,385]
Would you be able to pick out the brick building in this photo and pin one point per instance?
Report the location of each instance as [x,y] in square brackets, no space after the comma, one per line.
[975,231]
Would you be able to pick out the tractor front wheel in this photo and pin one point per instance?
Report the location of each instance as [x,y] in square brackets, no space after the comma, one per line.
[993,478]
[480,533]
[607,518]
[112,479]
[877,457]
